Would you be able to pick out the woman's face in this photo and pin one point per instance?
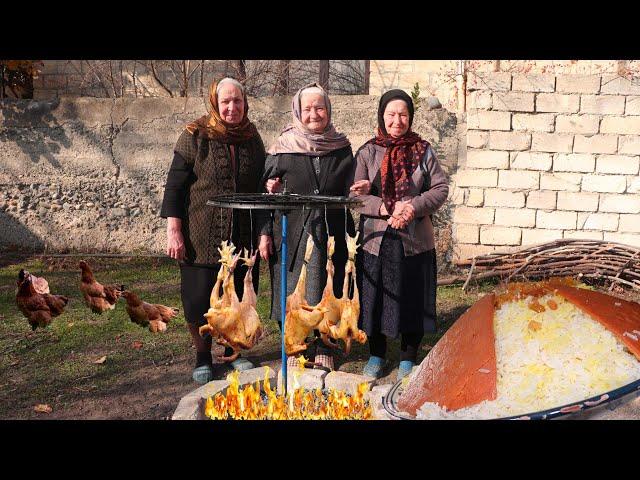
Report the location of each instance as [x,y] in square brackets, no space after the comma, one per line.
[230,103]
[396,118]
[313,112]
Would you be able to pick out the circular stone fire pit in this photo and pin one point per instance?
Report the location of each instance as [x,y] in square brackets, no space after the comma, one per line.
[191,406]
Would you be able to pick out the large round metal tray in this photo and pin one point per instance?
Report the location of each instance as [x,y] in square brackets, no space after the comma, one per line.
[281,201]
[610,400]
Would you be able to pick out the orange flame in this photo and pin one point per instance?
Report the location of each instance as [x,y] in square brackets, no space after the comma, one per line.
[299,404]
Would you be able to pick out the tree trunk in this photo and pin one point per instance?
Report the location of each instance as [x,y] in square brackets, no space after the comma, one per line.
[323,77]
[282,82]
[367,74]
[240,69]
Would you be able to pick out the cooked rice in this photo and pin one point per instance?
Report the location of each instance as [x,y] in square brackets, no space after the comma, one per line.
[569,359]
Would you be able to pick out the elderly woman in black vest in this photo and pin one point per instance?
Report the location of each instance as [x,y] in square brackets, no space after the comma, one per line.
[313,159]
[218,153]
[398,261]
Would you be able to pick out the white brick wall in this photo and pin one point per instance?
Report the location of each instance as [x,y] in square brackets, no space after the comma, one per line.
[602,104]
[600,221]
[542,199]
[489,120]
[513,102]
[553,102]
[556,220]
[531,161]
[620,203]
[578,201]
[620,164]
[621,125]
[629,223]
[487,159]
[515,217]
[533,83]
[494,197]
[604,183]
[549,157]
[569,182]
[476,178]
[578,84]
[537,122]
[574,162]
[492,235]
[509,141]
[551,142]
[595,144]
[515,179]
[586,124]
[629,144]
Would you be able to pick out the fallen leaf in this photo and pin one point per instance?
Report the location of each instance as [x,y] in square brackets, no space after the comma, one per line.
[137,345]
[13,364]
[101,360]
[42,408]
[70,324]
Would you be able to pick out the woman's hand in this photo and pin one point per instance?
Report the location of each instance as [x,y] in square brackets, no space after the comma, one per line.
[403,214]
[361,187]
[265,247]
[273,185]
[175,240]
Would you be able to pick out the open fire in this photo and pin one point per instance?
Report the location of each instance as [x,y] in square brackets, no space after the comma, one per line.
[250,403]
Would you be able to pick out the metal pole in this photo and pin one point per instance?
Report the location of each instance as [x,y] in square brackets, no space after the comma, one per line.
[283,296]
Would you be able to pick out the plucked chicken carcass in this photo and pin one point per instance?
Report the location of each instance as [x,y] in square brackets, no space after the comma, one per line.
[301,318]
[233,323]
[329,301]
[39,308]
[150,315]
[99,298]
[347,329]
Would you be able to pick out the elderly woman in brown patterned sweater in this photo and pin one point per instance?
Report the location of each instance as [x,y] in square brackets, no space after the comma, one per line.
[398,261]
[218,153]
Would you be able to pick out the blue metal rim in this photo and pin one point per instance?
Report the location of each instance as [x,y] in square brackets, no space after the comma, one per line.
[630,390]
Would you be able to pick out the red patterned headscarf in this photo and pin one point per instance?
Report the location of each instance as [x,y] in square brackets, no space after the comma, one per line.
[400,160]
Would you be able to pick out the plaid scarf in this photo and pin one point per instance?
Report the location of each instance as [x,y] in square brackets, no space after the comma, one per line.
[400,161]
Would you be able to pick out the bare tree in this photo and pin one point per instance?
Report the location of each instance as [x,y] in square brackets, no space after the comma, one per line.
[282,80]
[323,74]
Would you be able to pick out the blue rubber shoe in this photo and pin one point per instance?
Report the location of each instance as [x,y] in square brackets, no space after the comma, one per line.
[374,367]
[405,368]
[202,374]
[241,364]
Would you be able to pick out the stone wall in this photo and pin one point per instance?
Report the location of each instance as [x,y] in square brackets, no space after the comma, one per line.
[88,174]
[548,157]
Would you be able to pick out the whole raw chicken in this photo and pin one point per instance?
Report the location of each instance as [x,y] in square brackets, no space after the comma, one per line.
[39,308]
[347,329]
[99,298]
[301,318]
[329,301]
[154,316]
[231,322]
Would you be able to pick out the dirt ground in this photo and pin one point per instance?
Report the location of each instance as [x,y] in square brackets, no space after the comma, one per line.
[144,375]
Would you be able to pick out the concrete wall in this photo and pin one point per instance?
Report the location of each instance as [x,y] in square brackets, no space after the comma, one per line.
[548,157]
[88,174]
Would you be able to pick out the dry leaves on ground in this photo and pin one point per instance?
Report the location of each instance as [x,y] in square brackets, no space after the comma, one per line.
[137,345]
[42,408]
[101,360]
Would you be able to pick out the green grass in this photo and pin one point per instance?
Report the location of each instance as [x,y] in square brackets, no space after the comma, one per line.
[56,365]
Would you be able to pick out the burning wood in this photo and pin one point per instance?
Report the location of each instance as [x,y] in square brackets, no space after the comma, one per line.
[250,403]
[612,261]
